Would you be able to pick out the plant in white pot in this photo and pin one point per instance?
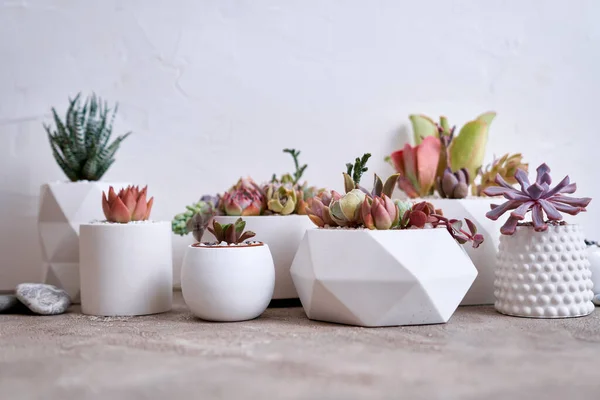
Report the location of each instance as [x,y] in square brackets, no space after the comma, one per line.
[370,261]
[441,167]
[230,279]
[125,261]
[276,210]
[542,269]
[593,254]
[81,146]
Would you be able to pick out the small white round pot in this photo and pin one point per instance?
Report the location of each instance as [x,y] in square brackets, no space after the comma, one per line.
[227,283]
[126,269]
[283,235]
[543,274]
[593,254]
[63,207]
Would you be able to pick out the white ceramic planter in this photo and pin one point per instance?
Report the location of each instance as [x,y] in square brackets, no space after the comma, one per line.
[63,207]
[233,283]
[283,235]
[484,257]
[381,278]
[544,274]
[126,269]
[593,255]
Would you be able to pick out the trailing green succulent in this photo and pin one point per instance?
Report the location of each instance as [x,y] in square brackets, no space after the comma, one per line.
[80,144]
[231,233]
[195,219]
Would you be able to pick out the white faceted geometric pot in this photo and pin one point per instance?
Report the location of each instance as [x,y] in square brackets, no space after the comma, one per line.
[126,269]
[64,206]
[283,234]
[227,283]
[544,274]
[381,278]
[484,257]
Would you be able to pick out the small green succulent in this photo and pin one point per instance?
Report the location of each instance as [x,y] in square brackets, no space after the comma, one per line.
[80,144]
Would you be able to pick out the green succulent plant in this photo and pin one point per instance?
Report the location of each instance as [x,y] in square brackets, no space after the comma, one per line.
[80,144]
[194,219]
[231,233]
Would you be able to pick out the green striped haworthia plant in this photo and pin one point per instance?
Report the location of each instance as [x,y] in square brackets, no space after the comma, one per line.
[80,144]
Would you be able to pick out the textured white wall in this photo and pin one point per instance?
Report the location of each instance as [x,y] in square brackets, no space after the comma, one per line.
[215,89]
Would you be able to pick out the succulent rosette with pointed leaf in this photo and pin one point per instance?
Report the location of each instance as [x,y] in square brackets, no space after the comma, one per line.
[506,166]
[245,198]
[537,197]
[375,210]
[128,205]
[281,198]
[231,233]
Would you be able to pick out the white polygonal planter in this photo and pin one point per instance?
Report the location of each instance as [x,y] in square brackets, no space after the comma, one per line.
[64,206]
[126,269]
[227,283]
[381,278]
[283,235]
[544,274]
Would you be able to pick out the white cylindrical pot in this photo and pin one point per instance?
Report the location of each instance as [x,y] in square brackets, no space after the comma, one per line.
[64,206]
[381,278]
[593,254]
[543,274]
[283,235]
[126,269]
[227,283]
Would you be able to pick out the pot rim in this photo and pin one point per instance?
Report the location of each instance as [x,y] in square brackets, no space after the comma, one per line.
[111,225]
[260,216]
[246,246]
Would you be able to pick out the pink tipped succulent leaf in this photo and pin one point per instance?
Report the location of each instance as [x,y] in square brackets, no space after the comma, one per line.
[379,213]
[317,209]
[129,205]
[417,166]
[244,199]
[536,197]
[231,233]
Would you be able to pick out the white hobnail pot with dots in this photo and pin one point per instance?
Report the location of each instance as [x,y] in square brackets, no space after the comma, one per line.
[543,274]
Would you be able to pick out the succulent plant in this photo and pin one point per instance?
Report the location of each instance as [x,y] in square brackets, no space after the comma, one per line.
[317,209]
[417,167]
[243,199]
[127,206]
[466,150]
[231,233]
[281,198]
[345,209]
[195,218]
[80,144]
[506,166]
[353,176]
[424,213]
[379,213]
[453,185]
[536,197]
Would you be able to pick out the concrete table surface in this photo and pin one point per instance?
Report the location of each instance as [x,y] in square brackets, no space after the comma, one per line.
[479,354]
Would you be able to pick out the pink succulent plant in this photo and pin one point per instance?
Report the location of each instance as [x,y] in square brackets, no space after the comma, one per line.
[418,166]
[536,197]
[246,198]
[129,205]
[379,213]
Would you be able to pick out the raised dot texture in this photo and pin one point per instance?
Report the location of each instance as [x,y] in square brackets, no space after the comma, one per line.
[543,274]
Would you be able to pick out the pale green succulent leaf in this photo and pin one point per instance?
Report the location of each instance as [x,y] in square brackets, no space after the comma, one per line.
[487,117]
[467,150]
[423,126]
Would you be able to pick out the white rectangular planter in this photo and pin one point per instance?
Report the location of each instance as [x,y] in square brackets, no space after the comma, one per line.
[63,207]
[126,269]
[381,278]
[283,235]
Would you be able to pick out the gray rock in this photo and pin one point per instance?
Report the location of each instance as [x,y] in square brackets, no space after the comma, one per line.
[43,299]
[8,302]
